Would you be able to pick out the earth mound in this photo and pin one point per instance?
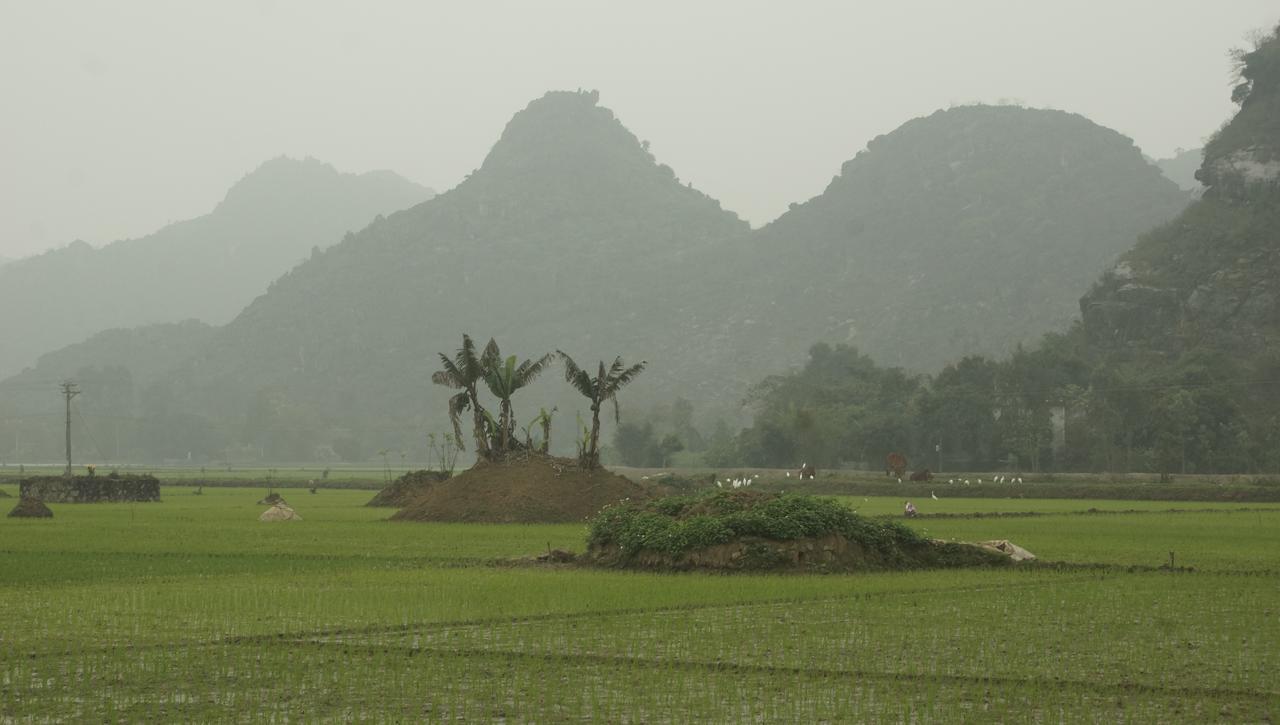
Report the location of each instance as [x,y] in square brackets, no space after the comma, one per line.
[31,508]
[533,488]
[280,512]
[406,488]
[272,499]
[753,531]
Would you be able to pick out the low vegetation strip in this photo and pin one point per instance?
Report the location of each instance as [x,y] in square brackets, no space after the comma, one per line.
[1086,512]
[189,609]
[851,671]
[1263,491]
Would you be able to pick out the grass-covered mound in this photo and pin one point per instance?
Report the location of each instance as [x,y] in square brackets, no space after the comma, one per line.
[403,490]
[532,488]
[752,530]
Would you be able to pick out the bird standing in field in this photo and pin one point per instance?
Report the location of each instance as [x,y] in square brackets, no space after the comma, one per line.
[935,496]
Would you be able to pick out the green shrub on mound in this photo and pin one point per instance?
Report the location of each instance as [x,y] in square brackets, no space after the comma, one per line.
[752,530]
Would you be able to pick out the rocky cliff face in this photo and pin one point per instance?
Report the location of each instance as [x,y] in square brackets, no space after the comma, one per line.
[1211,278]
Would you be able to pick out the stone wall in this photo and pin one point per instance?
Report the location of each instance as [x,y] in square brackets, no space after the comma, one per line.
[91,489]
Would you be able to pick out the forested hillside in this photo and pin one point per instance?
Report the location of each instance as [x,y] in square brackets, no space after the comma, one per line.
[965,232]
[206,268]
[1175,368]
[1192,312]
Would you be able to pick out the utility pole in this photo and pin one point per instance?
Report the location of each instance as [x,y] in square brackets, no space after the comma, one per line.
[69,391]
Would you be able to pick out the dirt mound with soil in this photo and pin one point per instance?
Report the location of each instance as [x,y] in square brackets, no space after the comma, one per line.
[280,512]
[31,508]
[830,553]
[406,488]
[532,489]
[272,499]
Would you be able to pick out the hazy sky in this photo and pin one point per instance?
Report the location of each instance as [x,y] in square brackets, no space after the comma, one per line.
[118,117]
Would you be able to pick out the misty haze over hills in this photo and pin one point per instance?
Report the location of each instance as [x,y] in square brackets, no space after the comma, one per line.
[969,231]
[571,235]
[206,268]
[1181,168]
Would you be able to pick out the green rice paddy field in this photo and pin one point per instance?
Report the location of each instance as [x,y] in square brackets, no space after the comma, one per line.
[192,610]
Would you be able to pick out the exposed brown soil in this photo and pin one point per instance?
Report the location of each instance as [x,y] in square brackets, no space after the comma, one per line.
[406,488]
[829,553]
[531,489]
[31,508]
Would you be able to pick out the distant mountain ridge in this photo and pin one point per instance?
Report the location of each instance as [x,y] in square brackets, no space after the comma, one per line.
[207,268]
[969,229]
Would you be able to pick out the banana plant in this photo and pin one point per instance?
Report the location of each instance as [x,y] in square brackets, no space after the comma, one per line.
[464,373]
[603,387]
[503,377]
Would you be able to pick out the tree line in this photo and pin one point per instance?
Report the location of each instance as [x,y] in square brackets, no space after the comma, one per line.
[1052,408]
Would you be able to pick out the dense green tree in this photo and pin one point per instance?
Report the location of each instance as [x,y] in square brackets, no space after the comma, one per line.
[636,445]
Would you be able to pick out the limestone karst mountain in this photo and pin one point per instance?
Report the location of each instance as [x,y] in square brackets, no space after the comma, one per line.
[562,238]
[1208,282]
[969,230]
[206,268]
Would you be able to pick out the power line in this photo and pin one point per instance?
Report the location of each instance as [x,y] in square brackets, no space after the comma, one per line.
[84,425]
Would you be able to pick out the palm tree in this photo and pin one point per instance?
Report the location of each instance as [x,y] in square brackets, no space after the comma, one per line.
[504,378]
[463,373]
[604,386]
